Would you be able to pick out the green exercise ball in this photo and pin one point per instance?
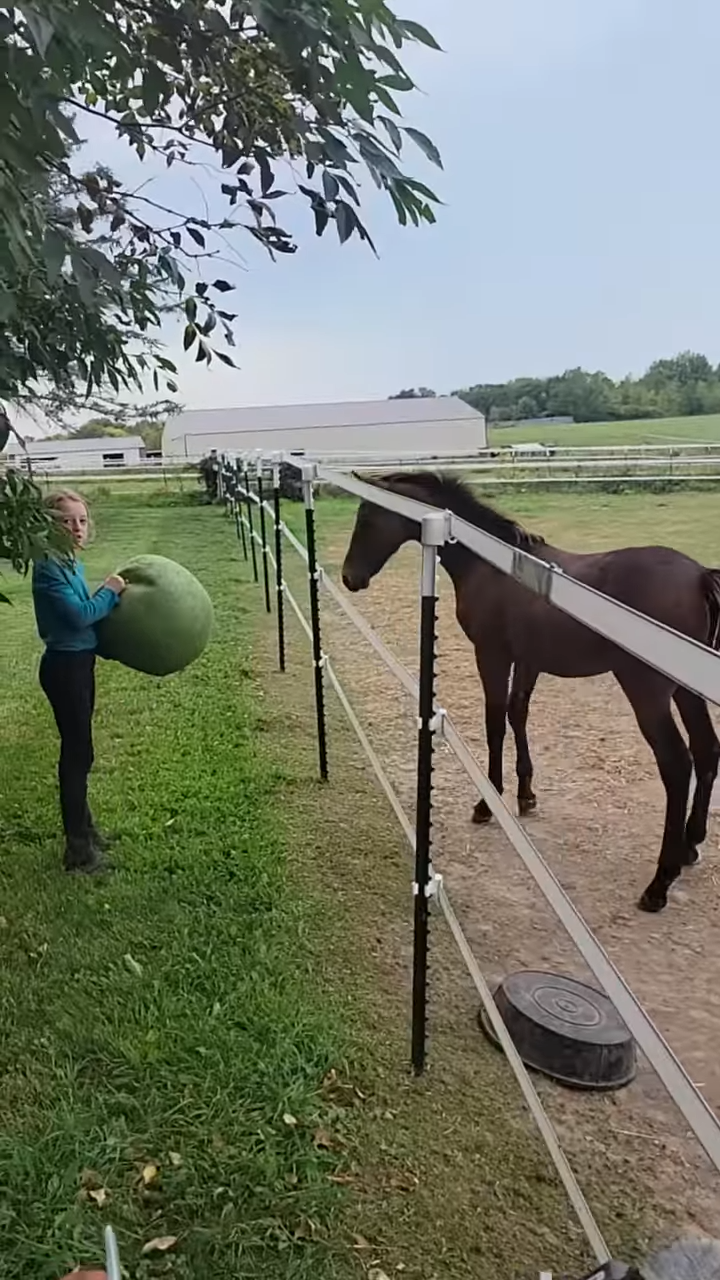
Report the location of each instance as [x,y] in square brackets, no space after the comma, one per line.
[163,621]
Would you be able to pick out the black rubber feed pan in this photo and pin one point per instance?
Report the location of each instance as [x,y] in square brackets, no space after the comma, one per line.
[565,1029]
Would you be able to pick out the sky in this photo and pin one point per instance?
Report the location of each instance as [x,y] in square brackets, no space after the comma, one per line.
[580,223]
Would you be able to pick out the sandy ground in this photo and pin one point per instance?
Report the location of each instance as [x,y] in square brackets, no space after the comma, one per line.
[598,824]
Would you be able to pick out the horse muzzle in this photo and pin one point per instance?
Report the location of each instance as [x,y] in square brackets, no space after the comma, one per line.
[355,581]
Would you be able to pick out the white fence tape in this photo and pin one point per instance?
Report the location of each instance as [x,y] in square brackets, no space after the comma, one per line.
[686,661]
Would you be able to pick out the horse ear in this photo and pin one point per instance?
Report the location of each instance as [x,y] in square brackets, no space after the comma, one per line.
[374,480]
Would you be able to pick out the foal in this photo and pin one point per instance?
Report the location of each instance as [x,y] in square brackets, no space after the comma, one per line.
[513,630]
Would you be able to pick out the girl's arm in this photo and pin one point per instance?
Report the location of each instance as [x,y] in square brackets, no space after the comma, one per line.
[76,613]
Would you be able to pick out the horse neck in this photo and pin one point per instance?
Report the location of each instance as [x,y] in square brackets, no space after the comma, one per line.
[458,561]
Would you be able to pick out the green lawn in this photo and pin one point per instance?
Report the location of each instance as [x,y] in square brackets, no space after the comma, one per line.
[673,431]
[212,1045]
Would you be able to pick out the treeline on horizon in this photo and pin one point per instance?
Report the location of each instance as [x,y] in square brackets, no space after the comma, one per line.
[683,386]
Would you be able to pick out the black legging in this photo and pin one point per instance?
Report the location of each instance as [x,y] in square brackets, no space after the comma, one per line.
[68,680]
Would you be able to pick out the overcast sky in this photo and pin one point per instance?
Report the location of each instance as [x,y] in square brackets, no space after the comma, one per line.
[581,221]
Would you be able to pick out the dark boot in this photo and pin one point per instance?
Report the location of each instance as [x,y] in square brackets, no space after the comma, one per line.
[82,857]
[101,840]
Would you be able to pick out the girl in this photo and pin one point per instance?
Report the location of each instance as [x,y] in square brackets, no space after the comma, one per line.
[66,614]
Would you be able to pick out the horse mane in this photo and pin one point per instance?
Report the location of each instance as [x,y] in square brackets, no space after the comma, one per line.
[449,492]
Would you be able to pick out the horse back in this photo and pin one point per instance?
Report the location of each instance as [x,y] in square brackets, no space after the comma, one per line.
[658,581]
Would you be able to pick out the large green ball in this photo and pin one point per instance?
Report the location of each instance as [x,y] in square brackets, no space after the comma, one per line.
[163,621]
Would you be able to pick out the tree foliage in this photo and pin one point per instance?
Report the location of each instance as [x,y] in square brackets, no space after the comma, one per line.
[685,385]
[278,98]
[410,393]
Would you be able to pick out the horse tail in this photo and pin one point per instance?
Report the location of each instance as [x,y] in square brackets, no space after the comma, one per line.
[711,591]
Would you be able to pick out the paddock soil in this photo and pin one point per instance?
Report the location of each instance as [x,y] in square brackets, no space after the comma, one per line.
[598,824]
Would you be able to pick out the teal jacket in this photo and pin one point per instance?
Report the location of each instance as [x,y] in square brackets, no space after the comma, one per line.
[65,612]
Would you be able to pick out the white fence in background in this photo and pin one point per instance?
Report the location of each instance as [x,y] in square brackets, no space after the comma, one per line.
[692,665]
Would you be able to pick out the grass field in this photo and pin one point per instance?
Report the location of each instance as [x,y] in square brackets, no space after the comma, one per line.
[655,431]
[212,1045]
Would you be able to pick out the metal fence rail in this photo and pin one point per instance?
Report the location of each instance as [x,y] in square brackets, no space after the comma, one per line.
[691,664]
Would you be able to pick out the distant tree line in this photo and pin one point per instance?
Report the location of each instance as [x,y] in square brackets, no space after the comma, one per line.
[685,385]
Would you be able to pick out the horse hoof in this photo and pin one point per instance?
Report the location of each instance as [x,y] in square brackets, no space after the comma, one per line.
[527,805]
[653,900]
[693,857]
[481,814]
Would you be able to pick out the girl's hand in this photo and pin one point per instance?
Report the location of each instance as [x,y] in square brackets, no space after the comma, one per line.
[116,583]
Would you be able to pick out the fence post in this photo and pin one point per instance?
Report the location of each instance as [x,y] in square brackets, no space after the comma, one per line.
[240,526]
[251,530]
[280,598]
[263,532]
[433,534]
[309,472]
[221,481]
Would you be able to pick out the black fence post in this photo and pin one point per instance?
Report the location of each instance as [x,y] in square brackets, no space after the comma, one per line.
[263,533]
[251,530]
[240,525]
[279,588]
[432,537]
[308,477]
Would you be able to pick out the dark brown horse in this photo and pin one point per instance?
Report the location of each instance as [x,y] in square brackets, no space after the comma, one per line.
[515,631]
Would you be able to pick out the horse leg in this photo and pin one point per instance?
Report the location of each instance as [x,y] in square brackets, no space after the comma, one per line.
[495,675]
[521,691]
[650,697]
[705,751]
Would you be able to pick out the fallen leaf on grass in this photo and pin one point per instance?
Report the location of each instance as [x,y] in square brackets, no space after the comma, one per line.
[325,1141]
[150,1173]
[175,1159]
[404,1181]
[133,965]
[359,1242]
[289,1120]
[161,1244]
[92,1189]
[376,1274]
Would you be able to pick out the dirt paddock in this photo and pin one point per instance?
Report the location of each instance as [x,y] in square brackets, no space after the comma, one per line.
[598,824]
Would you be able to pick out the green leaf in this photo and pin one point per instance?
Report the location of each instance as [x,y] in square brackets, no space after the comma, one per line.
[54,252]
[196,235]
[392,131]
[416,31]
[346,220]
[226,359]
[222,286]
[191,309]
[41,29]
[189,336]
[428,147]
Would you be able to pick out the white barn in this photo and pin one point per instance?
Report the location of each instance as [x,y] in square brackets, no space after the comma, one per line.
[105,453]
[431,426]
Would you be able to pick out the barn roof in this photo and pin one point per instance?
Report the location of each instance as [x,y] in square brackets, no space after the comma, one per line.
[354,413]
[86,444]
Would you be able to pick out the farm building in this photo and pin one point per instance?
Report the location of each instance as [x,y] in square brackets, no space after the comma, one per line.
[438,425]
[106,453]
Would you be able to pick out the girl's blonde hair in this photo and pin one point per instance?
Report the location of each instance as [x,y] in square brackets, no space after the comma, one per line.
[57,497]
